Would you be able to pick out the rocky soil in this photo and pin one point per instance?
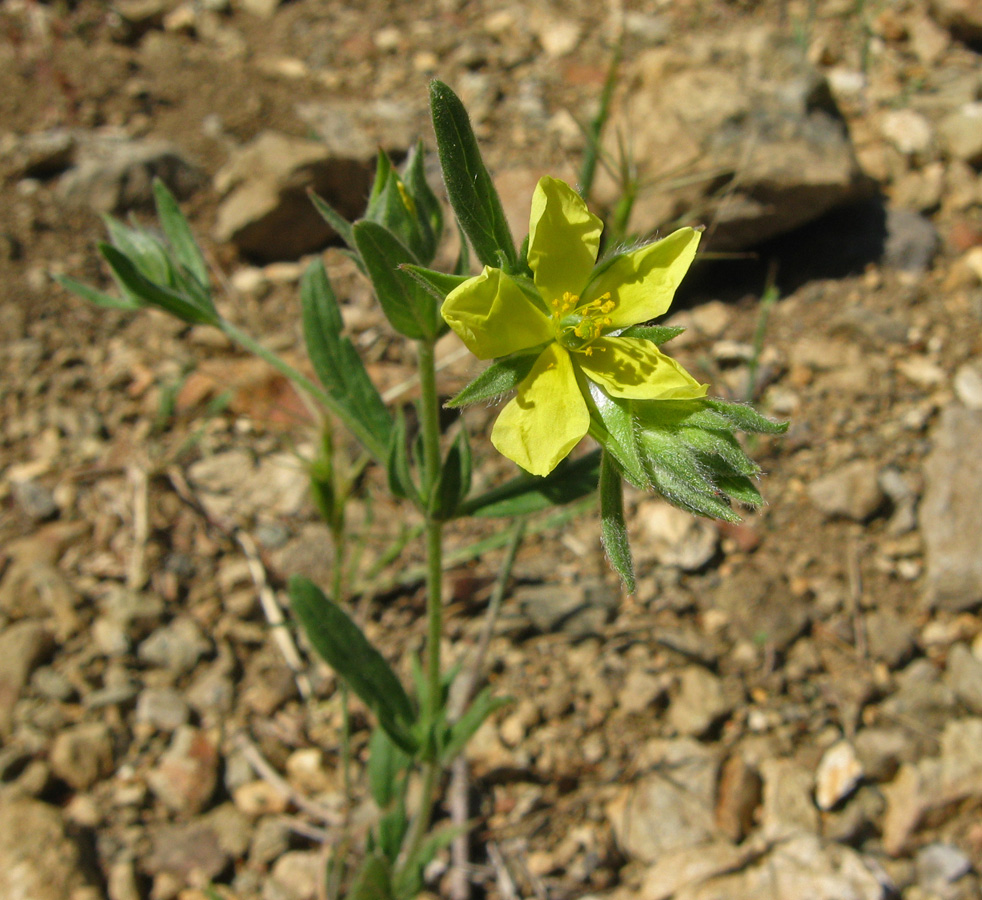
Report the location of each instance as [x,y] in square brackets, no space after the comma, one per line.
[789,708]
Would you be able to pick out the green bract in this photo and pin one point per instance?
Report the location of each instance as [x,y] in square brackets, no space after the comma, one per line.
[571,320]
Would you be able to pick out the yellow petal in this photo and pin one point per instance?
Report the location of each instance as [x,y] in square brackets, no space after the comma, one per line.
[642,283]
[564,237]
[547,419]
[493,317]
[637,369]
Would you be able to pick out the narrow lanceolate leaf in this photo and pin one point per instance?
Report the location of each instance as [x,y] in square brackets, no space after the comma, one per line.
[336,361]
[469,186]
[497,379]
[144,250]
[483,705]
[437,284]
[333,218]
[386,766]
[133,282]
[454,480]
[373,880]
[613,528]
[341,643]
[398,469]
[428,208]
[527,494]
[97,297]
[179,234]
[409,308]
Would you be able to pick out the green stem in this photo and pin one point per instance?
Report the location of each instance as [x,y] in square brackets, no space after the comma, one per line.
[364,436]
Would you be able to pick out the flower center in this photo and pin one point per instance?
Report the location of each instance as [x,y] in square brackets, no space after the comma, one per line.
[579,326]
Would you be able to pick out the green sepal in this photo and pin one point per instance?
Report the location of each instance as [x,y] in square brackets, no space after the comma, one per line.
[409,308]
[469,186]
[741,489]
[720,446]
[454,480]
[337,363]
[501,376]
[657,334]
[144,249]
[179,234]
[614,426]
[526,494]
[613,528]
[746,418]
[134,283]
[343,645]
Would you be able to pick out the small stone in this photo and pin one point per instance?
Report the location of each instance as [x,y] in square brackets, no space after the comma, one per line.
[787,799]
[964,676]
[737,797]
[38,861]
[961,133]
[296,874]
[851,491]
[35,500]
[838,774]
[890,638]
[675,538]
[908,131]
[700,702]
[270,839]
[940,865]
[881,750]
[176,647]
[640,690]
[186,777]
[23,646]
[259,798]
[968,383]
[82,755]
[162,708]
[911,241]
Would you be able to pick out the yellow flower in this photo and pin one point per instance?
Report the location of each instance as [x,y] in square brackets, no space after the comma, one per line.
[573,317]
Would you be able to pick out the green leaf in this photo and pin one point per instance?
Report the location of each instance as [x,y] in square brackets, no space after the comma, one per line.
[408,307]
[437,284]
[387,765]
[398,469]
[501,376]
[133,282]
[525,494]
[145,251]
[483,705]
[345,648]
[97,297]
[409,878]
[469,186]
[613,528]
[454,480]
[336,361]
[428,209]
[657,334]
[721,445]
[179,234]
[373,880]
[333,218]
[392,828]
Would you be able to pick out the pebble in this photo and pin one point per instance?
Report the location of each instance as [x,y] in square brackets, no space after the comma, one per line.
[176,647]
[259,798]
[851,491]
[908,131]
[963,675]
[961,132]
[35,500]
[700,703]
[939,865]
[23,647]
[163,708]
[186,776]
[673,537]
[82,755]
[968,384]
[787,799]
[838,775]
[295,876]
[738,797]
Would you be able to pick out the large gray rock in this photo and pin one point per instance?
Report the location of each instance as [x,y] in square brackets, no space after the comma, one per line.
[115,173]
[951,511]
[751,121]
[266,212]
